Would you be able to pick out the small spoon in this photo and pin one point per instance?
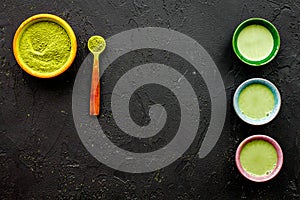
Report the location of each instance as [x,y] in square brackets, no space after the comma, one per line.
[96,45]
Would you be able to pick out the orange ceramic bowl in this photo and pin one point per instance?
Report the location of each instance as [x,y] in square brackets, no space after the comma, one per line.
[42,18]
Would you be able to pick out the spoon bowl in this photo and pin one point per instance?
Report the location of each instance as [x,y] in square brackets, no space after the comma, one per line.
[96,44]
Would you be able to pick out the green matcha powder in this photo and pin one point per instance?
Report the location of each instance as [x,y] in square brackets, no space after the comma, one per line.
[45,47]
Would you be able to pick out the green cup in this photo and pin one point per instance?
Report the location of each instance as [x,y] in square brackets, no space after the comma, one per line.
[256,41]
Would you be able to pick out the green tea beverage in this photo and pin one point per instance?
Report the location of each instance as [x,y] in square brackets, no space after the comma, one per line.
[258,158]
[255,42]
[256,101]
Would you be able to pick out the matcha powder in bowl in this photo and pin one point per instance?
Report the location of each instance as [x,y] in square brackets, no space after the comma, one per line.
[45,45]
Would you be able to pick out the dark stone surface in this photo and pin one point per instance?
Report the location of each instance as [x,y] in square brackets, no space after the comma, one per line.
[41,155]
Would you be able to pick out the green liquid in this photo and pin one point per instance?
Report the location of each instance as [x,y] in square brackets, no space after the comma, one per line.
[255,42]
[258,158]
[256,101]
[44,46]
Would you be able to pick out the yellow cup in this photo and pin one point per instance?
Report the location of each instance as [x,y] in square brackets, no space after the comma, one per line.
[41,18]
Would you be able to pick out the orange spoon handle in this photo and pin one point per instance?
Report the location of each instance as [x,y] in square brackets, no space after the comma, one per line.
[95,88]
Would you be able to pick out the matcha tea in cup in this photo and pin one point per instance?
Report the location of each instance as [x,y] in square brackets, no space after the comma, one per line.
[259,158]
[256,41]
[257,101]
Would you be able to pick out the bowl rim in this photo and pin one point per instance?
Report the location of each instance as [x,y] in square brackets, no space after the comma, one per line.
[273,89]
[267,24]
[278,164]
[45,17]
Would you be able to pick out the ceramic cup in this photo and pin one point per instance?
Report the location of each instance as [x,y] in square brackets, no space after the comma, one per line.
[41,18]
[262,32]
[278,165]
[271,115]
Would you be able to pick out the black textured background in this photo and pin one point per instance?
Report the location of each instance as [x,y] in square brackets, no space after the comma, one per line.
[41,155]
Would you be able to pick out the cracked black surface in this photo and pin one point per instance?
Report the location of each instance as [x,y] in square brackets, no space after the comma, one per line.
[41,155]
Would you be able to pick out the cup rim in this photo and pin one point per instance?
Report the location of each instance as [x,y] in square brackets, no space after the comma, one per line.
[44,17]
[267,24]
[274,91]
[278,164]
